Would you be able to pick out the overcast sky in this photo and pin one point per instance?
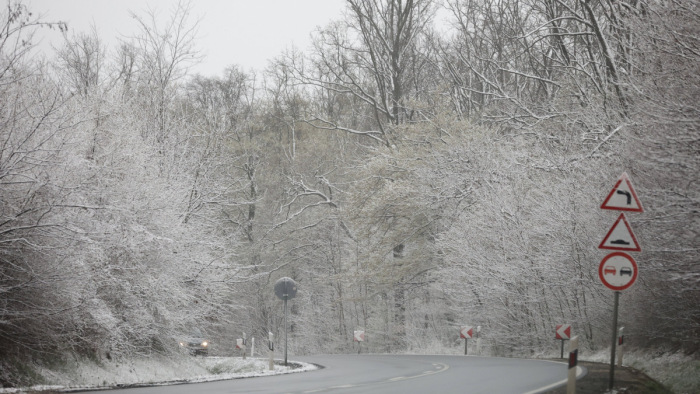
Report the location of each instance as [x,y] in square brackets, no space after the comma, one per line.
[247,33]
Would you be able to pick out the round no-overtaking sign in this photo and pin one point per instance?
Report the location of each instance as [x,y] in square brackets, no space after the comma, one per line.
[618,271]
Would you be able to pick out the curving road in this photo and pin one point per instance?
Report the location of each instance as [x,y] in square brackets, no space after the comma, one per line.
[348,374]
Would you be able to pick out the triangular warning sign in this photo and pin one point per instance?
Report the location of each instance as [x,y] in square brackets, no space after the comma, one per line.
[620,237]
[622,197]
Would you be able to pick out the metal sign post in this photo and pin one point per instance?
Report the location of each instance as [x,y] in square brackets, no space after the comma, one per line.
[466,332]
[614,340]
[618,271]
[285,289]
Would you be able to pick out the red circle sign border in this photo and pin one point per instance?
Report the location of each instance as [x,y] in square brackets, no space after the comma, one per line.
[626,256]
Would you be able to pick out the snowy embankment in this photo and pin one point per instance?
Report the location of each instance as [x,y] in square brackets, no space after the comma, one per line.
[154,371]
[677,371]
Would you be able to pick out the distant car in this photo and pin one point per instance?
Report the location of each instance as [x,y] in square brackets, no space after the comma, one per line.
[196,344]
[609,270]
[626,271]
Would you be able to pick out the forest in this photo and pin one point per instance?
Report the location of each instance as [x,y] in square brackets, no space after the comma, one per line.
[411,178]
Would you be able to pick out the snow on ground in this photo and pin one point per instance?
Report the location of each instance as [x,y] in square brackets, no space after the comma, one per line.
[155,371]
[677,371]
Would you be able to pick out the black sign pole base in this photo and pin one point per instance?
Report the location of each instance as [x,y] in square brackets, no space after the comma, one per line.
[562,349]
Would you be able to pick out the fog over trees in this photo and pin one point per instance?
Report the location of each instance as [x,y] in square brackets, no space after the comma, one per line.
[410,179]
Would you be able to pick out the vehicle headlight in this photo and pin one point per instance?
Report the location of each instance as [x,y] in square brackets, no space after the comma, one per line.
[205,344]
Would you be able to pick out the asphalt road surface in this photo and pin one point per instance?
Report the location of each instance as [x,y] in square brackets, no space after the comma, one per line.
[346,374]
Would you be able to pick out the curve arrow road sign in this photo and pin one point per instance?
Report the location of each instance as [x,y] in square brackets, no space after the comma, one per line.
[622,197]
[358,336]
[466,332]
[563,331]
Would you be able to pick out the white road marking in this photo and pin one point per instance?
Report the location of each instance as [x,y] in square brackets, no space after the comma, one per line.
[439,367]
[579,372]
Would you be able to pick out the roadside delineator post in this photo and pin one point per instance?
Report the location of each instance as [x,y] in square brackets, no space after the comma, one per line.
[244,347]
[478,340]
[620,342]
[573,363]
[359,337]
[271,348]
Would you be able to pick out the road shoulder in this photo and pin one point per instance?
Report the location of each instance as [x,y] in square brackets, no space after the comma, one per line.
[627,381]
